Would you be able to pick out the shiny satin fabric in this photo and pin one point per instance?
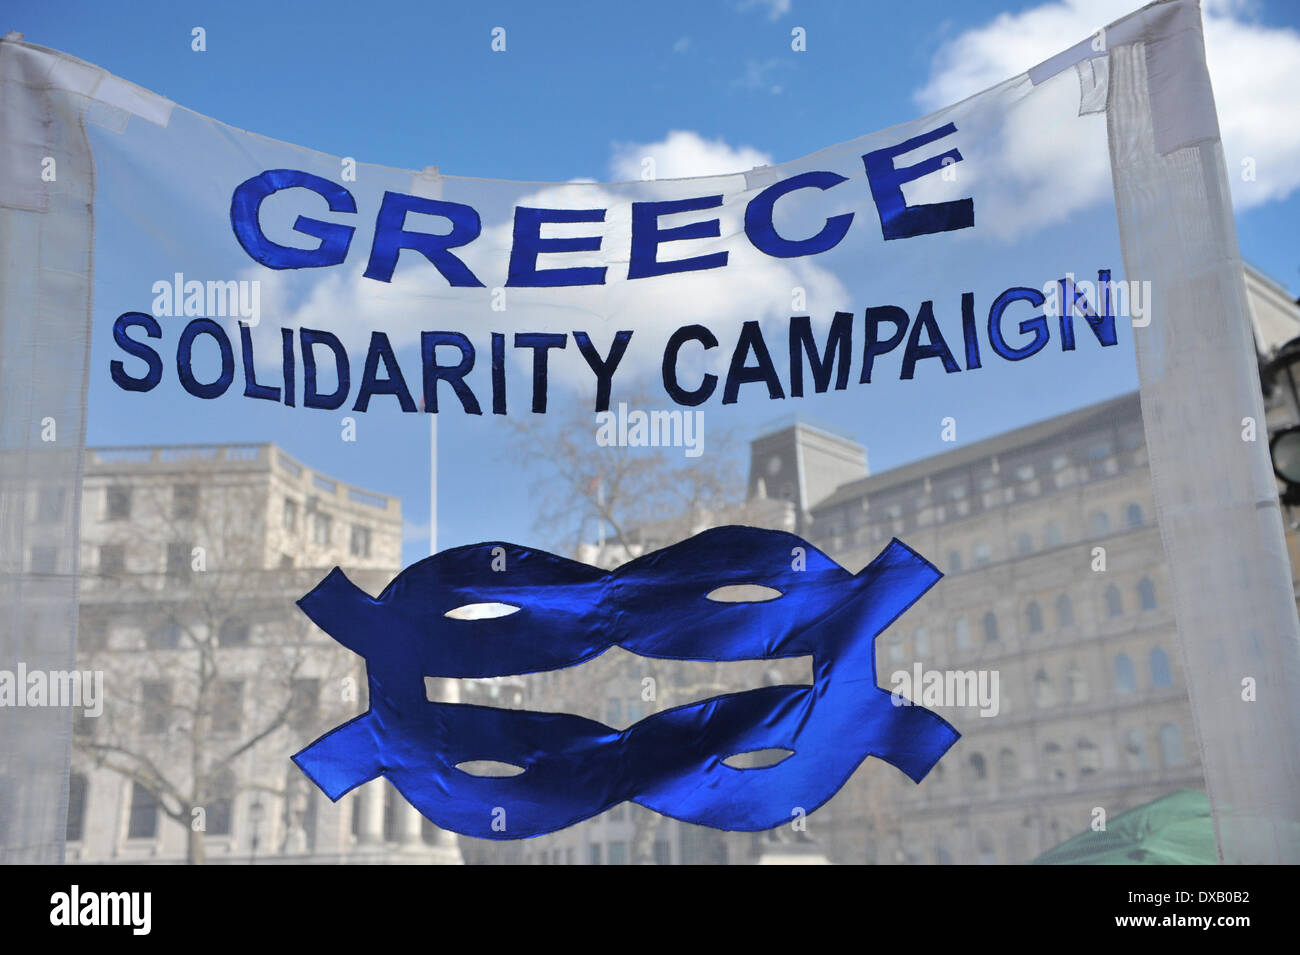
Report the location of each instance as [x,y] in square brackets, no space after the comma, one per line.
[656,606]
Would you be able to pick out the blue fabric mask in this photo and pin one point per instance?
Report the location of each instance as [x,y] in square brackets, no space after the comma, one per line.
[655,606]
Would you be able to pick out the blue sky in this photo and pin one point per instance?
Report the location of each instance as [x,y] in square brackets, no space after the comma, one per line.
[583,87]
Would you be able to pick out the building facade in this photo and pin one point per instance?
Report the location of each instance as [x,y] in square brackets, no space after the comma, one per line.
[191,560]
[1054,579]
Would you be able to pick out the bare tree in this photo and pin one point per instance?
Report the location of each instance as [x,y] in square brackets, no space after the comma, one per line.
[636,497]
[214,660]
[627,501]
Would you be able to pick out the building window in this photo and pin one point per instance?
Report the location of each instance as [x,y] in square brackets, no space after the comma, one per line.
[1159,663]
[1171,746]
[83,724]
[1089,757]
[1135,751]
[1100,451]
[1078,685]
[988,854]
[1034,617]
[1125,678]
[289,515]
[662,852]
[45,560]
[618,853]
[76,807]
[1024,544]
[185,502]
[895,648]
[978,768]
[360,541]
[593,854]
[613,711]
[1064,611]
[922,644]
[221,804]
[165,636]
[1146,594]
[320,529]
[990,627]
[178,559]
[143,822]
[1114,602]
[1008,766]
[1054,536]
[233,632]
[92,633]
[954,561]
[155,709]
[962,632]
[1044,693]
[1133,516]
[49,503]
[228,707]
[1054,762]
[304,702]
[981,554]
[1099,524]
[112,560]
[119,504]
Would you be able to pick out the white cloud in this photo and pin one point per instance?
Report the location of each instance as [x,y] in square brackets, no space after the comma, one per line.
[682,44]
[681,154]
[758,75]
[776,9]
[1255,70]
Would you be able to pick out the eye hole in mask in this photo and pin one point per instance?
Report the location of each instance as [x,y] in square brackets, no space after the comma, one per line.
[758,758]
[743,593]
[489,768]
[481,611]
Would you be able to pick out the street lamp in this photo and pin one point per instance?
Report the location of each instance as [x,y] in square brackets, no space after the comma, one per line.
[1284,447]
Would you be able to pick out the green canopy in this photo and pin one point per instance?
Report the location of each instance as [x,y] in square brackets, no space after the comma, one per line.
[1173,830]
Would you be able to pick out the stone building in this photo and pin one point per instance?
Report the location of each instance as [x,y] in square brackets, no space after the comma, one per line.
[191,560]
[1055,579]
